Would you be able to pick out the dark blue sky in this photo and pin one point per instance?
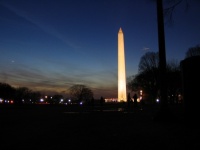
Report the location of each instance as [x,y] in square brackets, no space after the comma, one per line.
[50,45]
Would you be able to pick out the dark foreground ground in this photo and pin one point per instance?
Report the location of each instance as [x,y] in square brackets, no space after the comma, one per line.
[48,127]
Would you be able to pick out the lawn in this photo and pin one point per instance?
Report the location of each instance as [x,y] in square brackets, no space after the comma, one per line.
[80,127]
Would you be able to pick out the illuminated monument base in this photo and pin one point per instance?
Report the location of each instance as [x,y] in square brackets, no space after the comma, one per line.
[121,68]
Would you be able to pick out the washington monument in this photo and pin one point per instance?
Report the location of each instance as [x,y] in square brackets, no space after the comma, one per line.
[121,68]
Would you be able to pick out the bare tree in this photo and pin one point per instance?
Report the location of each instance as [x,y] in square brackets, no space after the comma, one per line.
[80,93]
[149,74]
[170,7]
[147,78]
[148,61]
[163,114]
[6,91]
[193,51]
[23,95]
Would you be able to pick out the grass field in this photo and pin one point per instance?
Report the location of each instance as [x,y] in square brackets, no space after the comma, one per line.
[112,127]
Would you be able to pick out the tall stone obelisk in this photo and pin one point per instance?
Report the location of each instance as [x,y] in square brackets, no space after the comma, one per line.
[121,68]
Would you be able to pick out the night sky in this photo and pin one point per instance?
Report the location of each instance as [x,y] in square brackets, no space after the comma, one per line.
[50,45]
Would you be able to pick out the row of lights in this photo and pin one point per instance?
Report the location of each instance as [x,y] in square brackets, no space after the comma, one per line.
[6,101]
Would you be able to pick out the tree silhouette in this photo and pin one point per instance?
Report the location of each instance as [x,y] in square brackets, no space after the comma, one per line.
[80,93]
[6,91]
[164,113]
[23,95]
[147,78]
[148,74]
[193,51]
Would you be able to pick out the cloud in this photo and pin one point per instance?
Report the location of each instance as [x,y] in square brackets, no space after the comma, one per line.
[145,48]
[102,82]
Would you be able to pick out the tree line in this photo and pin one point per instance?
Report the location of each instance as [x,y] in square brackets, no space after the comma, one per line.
[23,95]
[147,78]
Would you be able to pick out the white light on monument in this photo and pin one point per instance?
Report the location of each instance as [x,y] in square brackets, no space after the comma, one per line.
[121,68]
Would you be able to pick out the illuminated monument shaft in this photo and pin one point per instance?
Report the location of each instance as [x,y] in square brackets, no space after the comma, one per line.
[121,68]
